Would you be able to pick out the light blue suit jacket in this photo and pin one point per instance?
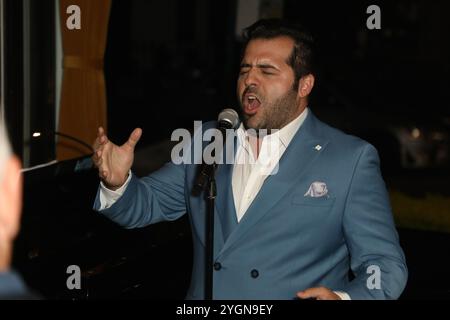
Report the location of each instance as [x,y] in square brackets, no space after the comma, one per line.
[292,241]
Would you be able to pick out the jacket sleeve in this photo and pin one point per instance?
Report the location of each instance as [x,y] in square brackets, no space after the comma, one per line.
[377,260]
[157,197]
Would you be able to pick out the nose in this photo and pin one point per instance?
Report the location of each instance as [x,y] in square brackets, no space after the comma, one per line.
[251,78]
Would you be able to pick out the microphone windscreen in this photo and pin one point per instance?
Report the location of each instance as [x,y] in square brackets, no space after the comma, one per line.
[228,118]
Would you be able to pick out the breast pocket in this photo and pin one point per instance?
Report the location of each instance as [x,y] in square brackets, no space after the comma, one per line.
[325,201]
[312,213]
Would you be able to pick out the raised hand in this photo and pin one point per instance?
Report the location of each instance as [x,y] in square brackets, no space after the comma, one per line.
[113,161]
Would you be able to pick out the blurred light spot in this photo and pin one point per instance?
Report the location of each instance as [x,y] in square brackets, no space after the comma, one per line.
[415,133]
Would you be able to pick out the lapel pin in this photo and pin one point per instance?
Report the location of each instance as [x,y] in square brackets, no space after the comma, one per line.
[318,147]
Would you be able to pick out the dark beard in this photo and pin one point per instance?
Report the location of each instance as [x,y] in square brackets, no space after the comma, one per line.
[276,114]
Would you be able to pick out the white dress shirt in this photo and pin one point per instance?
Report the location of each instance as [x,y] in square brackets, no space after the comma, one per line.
[250,170]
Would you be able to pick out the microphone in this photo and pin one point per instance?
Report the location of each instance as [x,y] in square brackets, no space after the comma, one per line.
[227,119]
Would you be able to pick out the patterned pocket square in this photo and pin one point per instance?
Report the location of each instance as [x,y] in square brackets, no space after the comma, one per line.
[317,189]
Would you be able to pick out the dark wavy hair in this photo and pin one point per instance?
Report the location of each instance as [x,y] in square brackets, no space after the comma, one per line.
[302,57]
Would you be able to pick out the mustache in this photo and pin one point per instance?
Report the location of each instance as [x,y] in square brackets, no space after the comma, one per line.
[250,90]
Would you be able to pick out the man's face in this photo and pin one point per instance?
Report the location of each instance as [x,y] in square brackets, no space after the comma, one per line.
[265,84]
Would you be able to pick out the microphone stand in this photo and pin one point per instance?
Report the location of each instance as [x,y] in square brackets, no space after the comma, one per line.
[228,119]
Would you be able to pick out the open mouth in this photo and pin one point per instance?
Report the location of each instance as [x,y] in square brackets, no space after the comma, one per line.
[251,103]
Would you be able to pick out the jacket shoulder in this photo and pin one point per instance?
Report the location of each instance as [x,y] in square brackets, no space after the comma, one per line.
[342,139]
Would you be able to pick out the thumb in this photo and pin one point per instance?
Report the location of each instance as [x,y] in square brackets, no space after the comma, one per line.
[134,138]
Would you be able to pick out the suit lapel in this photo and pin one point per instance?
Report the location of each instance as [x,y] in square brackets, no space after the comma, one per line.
[225,201]
[300,154]
[225,208]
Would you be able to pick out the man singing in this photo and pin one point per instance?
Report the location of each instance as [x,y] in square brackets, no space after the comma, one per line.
[293,234]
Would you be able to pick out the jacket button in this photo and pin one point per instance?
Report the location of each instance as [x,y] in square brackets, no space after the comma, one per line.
[254,273]
[217,266]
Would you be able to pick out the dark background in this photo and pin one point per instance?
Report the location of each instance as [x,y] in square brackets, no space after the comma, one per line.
[172,62]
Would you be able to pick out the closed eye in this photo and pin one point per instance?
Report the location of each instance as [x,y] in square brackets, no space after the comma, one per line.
[268,68]
[245,68]
[265,69]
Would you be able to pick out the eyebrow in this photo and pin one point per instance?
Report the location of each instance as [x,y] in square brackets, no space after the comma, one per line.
[260,65]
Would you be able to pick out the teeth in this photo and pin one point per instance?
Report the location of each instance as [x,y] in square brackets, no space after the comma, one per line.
[251,98]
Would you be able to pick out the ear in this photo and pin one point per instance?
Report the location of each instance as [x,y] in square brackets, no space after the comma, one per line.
[305,85]
[10,199]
